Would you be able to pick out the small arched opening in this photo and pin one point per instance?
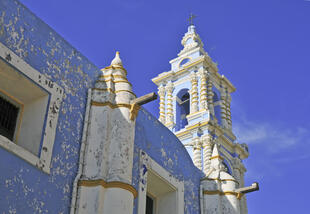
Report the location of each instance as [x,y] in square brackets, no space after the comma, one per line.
[182,108]
[217,107]
[184,61]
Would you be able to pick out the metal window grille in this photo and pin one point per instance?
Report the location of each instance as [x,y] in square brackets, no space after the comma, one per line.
[8,118]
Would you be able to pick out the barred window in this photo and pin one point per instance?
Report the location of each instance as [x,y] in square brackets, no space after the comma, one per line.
[29,108]
[8,118]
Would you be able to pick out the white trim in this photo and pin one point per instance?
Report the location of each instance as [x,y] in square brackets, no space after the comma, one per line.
[55,98]
[18,150]
[148,164]
[74,200]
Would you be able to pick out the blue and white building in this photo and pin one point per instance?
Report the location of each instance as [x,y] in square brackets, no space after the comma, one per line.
[74,138]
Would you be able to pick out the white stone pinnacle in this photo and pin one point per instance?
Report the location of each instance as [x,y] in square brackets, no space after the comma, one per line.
[216,161]
[117,60]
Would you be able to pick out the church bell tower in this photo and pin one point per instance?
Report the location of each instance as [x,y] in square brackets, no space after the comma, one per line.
[195,104]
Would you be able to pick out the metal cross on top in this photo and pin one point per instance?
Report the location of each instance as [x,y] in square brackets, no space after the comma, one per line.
[190,19]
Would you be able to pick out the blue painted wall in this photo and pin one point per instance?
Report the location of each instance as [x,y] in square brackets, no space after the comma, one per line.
[153,137]
[24,188]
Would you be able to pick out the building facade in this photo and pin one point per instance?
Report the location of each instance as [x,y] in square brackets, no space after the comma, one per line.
[74,138]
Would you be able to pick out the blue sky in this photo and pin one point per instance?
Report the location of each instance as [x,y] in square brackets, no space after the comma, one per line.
[263,47]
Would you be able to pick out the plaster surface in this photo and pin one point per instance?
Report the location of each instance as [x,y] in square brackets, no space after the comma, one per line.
[158,142]
[23,187]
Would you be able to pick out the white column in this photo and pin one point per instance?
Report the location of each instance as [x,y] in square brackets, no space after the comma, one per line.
[207,152]
[169,115]
[223,108]
[194,93]
[197,153]
[210,96]
[203,90]
[161,93]
[228,102]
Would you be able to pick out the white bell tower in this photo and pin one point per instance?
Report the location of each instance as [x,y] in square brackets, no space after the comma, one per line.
[195,104]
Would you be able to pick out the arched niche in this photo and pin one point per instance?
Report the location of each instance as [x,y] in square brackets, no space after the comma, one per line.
[217,107]
[182,108]
[184,61]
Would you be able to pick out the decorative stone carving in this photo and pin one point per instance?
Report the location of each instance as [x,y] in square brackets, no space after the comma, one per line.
[194,93]
[203,89]
[207,143]
[223,108]
[228,102]
[169,115]
[161,93]
[191,40]
[197,153]
[210,96]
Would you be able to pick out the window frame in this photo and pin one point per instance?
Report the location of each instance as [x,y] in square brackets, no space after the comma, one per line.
[55,97]
[148,164]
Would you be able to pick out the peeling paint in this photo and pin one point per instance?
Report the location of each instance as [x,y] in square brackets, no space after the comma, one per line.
[23,187]
[166,149]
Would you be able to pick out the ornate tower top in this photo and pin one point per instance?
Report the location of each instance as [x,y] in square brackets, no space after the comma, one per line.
[191,40]
[195,103]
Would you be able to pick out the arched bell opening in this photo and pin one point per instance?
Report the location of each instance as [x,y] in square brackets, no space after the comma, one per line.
[182,108]
[217,107]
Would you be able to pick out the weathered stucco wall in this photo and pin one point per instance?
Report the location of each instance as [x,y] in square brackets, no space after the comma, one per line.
[23,187]
[164,147]
[26,189]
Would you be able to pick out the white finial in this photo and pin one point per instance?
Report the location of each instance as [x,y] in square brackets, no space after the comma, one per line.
[117,60]
[191,29]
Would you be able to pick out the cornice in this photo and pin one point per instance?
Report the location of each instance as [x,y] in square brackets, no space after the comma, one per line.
[114,67]
[157,80]
[217,192]
[112,184]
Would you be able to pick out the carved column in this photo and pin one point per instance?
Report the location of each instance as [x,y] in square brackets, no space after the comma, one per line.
[161,93]
[223,108]
[228,102]
[197,153]
[210,96]
[203,90]
[207,152]
[169,115]
[194,93]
